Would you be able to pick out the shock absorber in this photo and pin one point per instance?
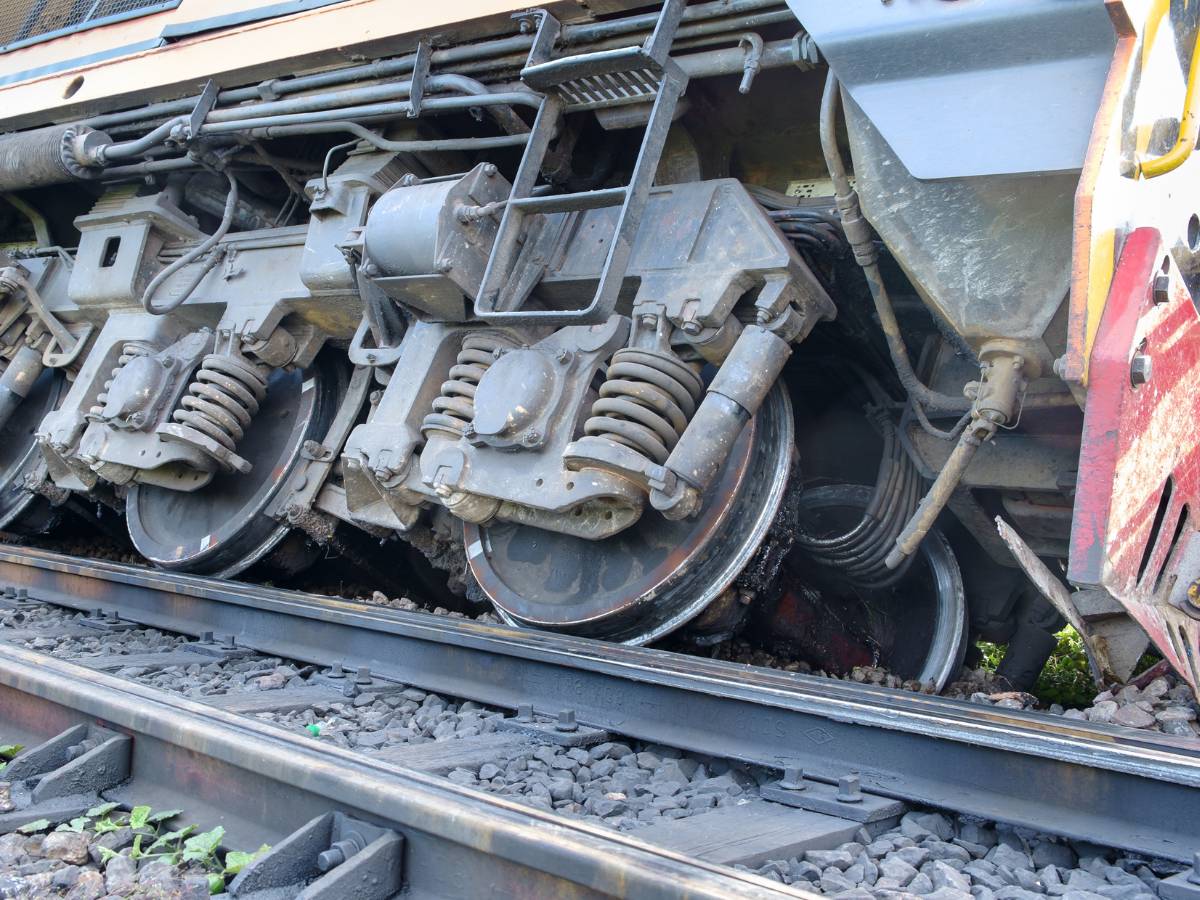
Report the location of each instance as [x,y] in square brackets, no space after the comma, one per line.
[646,402]
[454,409]
[219,405]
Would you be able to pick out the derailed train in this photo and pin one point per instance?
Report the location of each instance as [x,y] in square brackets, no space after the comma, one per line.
[864,327]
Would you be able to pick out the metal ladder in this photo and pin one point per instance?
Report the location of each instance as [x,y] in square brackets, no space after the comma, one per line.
[574,83]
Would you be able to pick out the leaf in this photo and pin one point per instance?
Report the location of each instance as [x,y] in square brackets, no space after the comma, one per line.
[136,852]
[106,854]
[165,839]
[102,810]
[203,845]
[163,815]
[138,817]
[75,825]
[236,860]
[216,884]
[35,826]
[8,751]
[105,825]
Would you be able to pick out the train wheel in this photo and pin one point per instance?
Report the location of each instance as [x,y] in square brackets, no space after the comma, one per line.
[915,626]
[21,510]
[655,576]
[223,528]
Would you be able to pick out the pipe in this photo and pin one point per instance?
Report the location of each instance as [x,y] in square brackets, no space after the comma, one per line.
[388,110]
[572,35]
[862,240]
[191,256]
[997,401]
[430,146]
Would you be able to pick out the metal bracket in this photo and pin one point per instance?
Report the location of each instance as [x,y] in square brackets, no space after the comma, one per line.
[420,74]
[335,856]
[63,777]
[846,799]
[564,730]
[204,105]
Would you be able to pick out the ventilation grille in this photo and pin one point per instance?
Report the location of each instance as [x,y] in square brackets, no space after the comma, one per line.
[22,21]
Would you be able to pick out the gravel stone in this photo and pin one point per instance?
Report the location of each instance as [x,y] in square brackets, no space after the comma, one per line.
[69,846]
[120,875]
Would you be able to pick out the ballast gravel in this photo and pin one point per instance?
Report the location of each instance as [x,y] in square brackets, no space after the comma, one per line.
[944,857]
[69,865]
[617,784]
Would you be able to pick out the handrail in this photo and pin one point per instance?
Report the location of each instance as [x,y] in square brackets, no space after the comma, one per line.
[1189,126]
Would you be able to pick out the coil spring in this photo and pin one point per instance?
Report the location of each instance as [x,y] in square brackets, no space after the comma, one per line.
[645,402]
[222,399]
[455,408]
[129,352]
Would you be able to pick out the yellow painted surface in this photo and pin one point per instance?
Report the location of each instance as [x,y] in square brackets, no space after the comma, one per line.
[1144,97]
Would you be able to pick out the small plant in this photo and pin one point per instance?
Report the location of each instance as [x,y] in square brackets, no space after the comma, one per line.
[1066,677]
[201,850]
[7,752]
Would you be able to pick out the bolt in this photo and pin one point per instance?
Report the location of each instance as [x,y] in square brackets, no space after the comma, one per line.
[371,357]
[206,637]
[10,591]
[1140,369]
[229,642]
[96,613]
[762,317]
[525,712]
[649,320]
[22,593]
[1194,877]
[363,675]
[336,671]
[112,617]
[690,327]
[563,356]
[531,437]
[566,721]
[330,859]
[383,473]
[168,362]
[1162,288]
[490,170]
[849,790]
[1193,593]
[793,779]
[314,449]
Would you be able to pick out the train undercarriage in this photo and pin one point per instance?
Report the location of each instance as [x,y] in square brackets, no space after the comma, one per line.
[646,325]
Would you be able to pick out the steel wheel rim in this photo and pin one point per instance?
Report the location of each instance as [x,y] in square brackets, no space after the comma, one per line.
[679,595]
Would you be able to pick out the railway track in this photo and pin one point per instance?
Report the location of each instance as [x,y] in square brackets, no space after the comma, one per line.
[814,762]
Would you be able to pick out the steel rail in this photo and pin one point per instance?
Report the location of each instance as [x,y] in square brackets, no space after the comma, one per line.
[1104,784]
[262,783]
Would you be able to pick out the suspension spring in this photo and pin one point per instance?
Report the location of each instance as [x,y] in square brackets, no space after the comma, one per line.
[455,408]
[130,351]
[645,402]
[222,399]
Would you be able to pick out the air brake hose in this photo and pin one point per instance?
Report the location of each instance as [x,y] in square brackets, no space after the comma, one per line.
[862,241]
[997,402]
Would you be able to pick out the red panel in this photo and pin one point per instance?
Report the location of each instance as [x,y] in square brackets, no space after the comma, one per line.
[1137,503]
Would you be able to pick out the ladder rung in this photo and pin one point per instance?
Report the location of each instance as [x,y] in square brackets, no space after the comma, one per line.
[571,202]
[544,76]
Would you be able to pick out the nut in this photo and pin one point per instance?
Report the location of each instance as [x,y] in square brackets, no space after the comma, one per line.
[1140,369]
